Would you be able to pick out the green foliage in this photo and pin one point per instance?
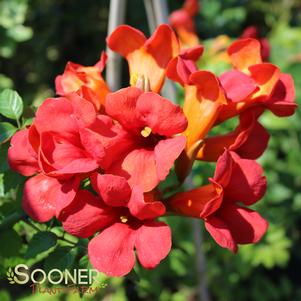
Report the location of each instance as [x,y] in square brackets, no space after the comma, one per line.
[41,242]
[37,38]
[11,105]
[6,131]
[62,258]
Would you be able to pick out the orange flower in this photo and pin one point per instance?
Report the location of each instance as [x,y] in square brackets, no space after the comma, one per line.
[261,84]
[85,81]
[204,99]
[182,21]
[147,58]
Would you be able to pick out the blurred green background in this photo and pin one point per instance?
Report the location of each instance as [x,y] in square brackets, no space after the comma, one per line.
[38,37]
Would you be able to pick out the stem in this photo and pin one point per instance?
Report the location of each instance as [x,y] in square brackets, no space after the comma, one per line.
[201,261]
[203,291]
[67,240]
[29,223]
[113,68]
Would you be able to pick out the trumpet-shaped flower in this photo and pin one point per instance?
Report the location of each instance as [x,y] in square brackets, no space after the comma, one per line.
[126,221]
[261,84]
[151,122]
[85,81]
[182,20]
[147,58]
[235,181]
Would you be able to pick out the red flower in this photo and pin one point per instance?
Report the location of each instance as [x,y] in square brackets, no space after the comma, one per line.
[66,142]
[249,140]
[151,122]
[235,180]
[80,142]
[85,81]
[261,84]
[127,221]
[22,157]
[181,67]
[43,196]
[147,58]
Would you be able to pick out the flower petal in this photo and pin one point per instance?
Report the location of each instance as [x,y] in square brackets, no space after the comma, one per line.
[121,106]
[114,190]
[142,209]
[139,168]
[21,156]
[246,226]
[153,243]
[282,101]
[237,92]
[125,40]
[266,76]
[247,183]
[58,157]
[244,53]
[86,215]
[249,140]
[112,251]
[219,231]
[199,202]
[161,115]
[163,45]
[40,196]
[166,152]
[59,111]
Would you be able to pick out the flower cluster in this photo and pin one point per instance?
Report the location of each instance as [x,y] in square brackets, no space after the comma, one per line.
[95,158]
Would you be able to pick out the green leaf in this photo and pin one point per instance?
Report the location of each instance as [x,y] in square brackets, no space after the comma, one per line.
[41,242]
[11,243]
[11,105]
[62,258]
[6,131]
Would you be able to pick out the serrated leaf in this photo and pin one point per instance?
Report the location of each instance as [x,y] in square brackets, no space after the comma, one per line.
[11,105]
[41,242]
[6,131]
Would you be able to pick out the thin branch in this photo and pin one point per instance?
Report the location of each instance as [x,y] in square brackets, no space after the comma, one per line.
[203,291]
[10,220]
[113,68]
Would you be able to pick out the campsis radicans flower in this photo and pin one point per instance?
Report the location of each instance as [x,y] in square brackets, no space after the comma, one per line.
[254,33]
[127,220]
[85,81]
[261,84]
[95,158]
[151,122]
[182,21]
[235,181]
[147,58]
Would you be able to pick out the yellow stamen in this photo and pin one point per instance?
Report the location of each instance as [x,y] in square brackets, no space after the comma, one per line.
[123,219]
[146,132]
[133,79]
[189,203]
